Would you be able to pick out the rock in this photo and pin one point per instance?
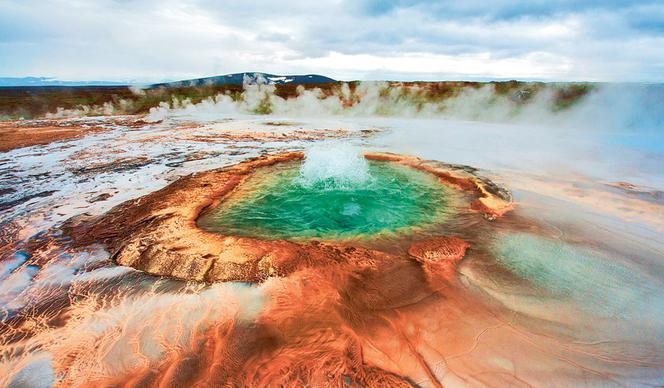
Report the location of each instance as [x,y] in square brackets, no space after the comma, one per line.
[100,197]
[439,256]
[439,249]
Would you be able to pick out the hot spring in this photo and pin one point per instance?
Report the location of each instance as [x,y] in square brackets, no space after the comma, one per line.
[270,215]
[331,197]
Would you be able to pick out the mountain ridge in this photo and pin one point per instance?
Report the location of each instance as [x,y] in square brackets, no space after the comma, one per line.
[249,77]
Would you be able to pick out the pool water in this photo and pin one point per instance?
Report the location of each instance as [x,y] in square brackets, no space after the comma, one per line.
[600,282]
[277,203]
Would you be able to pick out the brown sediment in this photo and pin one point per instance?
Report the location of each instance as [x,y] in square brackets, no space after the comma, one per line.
[27,133]
[158,234]
[438,249]
[439,256]
[13,136]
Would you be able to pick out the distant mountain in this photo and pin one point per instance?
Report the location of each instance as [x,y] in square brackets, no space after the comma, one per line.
[44,81]
[241,78]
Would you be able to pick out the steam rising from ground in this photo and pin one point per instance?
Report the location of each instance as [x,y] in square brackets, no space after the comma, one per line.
[605,106]
[106,109]
[367,99]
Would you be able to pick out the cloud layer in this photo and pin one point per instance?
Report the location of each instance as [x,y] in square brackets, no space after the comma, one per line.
[150,40]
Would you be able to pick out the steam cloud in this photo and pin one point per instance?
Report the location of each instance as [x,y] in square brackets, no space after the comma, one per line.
[607,106]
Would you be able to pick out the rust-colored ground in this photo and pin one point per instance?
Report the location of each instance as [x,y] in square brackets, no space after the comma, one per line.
[26,133]
[13,136]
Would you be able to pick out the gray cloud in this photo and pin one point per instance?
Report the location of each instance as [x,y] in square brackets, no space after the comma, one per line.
[150,40]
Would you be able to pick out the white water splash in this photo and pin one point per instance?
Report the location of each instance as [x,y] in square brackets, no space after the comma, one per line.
[334,166]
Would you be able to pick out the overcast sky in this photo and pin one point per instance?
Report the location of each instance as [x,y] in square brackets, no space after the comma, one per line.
[154,40]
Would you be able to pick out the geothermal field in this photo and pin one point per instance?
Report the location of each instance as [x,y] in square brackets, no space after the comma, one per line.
[365,234]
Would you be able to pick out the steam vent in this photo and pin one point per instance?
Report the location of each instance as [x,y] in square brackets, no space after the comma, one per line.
[277,214]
